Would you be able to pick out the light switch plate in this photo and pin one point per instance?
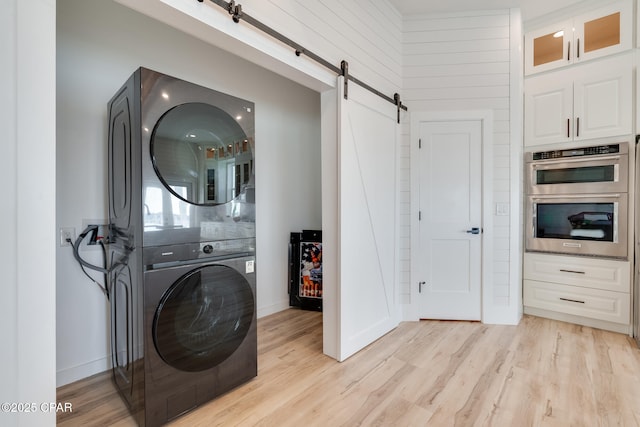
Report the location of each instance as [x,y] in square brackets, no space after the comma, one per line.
[502,209]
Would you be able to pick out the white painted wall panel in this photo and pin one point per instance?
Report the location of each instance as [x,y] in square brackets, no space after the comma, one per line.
[365,34]
[456,21]
[436,70]
[463,61]
[27,170]
[475,45]
[460,58]
[456,34]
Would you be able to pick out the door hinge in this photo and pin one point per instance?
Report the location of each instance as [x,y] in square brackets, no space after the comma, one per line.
[419,143]
[419,215]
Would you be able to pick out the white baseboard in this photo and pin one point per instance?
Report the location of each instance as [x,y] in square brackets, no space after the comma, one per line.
[273,308]
[68,375]
[507,315]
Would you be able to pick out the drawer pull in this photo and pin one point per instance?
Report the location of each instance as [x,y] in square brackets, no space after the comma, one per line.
[572,271]
[572,300]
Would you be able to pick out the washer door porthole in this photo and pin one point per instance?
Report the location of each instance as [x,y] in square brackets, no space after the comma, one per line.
[203,318]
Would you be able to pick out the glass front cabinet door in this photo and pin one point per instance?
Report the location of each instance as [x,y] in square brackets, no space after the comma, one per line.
[590,35]
[548,47]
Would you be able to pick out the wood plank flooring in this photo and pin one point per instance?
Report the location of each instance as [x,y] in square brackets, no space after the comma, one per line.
[429,373]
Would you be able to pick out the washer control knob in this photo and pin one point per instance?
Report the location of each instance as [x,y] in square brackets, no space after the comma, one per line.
[207,249]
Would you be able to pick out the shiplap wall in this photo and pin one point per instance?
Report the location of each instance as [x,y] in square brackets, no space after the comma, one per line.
[461,61]
[365,33]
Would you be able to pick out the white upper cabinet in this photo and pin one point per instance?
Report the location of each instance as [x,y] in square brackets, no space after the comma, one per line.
[548,48]
[591,101]
[601,32]
[603,99]
[548,107]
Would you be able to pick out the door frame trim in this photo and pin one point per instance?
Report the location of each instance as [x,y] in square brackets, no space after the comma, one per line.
[486,119]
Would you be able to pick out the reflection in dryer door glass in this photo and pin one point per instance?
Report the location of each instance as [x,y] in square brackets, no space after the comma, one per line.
[162,210]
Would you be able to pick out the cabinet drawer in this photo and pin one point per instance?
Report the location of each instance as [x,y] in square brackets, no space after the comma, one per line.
[578,271]
[592,303]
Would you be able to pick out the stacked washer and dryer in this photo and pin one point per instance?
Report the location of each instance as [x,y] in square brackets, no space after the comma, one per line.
[181,244]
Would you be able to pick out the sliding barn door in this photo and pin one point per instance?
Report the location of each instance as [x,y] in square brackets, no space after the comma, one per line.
[367,144]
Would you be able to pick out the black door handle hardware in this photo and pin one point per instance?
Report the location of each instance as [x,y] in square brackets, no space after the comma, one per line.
[571,300]
[474,230]
[572,271]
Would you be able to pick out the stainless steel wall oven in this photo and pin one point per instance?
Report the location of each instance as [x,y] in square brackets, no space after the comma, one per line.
[577,201]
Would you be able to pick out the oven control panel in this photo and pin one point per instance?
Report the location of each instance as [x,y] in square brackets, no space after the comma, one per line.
[598,150]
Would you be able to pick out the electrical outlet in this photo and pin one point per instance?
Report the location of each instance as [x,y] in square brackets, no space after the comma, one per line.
[67,233]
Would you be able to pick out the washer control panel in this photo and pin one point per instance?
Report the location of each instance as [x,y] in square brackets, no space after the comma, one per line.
[221,248]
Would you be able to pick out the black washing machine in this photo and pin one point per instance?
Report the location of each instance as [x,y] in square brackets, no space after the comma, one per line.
[201,333]
[181,244]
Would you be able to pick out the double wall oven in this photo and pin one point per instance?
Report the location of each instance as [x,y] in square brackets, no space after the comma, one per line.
[577,201]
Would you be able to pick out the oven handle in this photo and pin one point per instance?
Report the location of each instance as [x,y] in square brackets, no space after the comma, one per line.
[577,196]
[578,160]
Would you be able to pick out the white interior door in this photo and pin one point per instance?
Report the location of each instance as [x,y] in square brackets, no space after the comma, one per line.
[367,141]
[450,226]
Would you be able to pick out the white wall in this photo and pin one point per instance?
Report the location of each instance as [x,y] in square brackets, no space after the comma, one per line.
[27,170]
[99,45]
[463,61]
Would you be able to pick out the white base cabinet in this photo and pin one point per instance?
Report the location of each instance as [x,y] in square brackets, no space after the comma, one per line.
[590,291]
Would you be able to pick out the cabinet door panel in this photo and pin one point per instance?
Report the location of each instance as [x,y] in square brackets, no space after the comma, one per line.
[603,99]
[596,273]
[604,31]
[548,48]
[591,303]
[548,109]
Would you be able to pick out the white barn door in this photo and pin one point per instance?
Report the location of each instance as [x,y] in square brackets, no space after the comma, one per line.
[367,141]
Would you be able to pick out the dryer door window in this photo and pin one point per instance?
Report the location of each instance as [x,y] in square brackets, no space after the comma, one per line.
[194,146]
[203,318]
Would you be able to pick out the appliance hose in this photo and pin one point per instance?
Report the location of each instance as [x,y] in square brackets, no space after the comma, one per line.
[76,254]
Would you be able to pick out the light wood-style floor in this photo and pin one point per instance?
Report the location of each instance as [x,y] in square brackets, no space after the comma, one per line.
[429,373]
